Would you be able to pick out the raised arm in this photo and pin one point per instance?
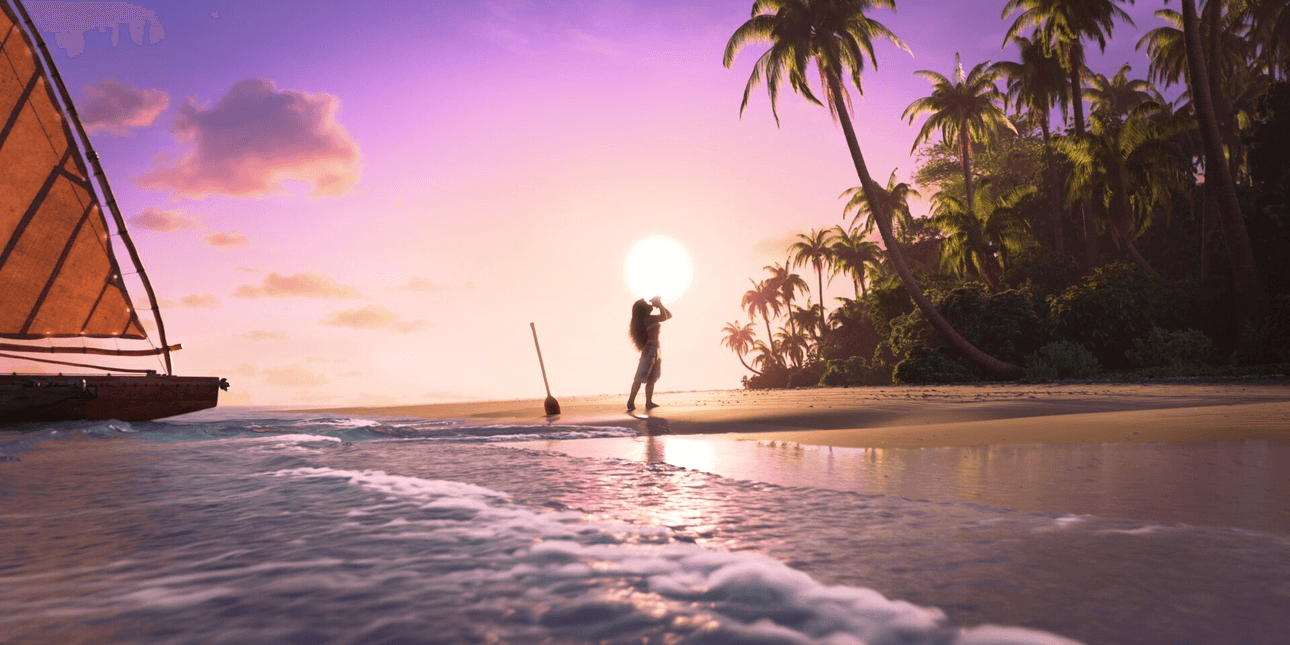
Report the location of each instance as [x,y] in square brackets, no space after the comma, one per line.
[663,313]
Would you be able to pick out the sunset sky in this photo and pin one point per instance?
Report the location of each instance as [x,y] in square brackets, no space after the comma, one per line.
[344,204]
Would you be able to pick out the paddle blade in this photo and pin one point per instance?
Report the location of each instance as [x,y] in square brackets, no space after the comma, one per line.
[552,406]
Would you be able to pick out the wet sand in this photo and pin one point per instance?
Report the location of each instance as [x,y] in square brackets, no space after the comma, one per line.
[918,417]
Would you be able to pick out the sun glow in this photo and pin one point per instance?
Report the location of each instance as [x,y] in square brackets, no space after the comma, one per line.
[658,266]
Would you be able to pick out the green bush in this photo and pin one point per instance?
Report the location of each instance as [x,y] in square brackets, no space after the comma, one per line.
[844,372]
[1061,359]
[928,365]
[1106,310]
[1041,270]
[883,364]
[773,376]
[808,375]
[1176,349]
[909,331]
[1003,324]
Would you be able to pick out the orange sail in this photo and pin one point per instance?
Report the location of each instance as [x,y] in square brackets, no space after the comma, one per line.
[59,277]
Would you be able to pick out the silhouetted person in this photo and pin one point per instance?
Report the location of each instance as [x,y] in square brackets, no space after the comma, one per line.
[644,332]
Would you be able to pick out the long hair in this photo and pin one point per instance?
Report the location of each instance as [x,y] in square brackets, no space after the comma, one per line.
[640,320]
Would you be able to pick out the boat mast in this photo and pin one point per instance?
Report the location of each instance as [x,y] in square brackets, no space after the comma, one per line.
[88,153]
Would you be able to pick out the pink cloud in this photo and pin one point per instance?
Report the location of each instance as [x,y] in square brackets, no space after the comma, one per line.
[202,301]
[305,285]
[416,283]
[260,334]
[256,139]
[373,317]
[226,240]
[155,219]
[115,106]
[294,376]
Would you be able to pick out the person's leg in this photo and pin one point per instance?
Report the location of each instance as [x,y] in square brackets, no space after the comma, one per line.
[631,398]
[649,395]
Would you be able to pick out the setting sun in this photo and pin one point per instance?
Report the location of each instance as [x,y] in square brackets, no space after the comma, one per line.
[658,266]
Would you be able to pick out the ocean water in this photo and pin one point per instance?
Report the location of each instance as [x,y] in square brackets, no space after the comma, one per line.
[248,526]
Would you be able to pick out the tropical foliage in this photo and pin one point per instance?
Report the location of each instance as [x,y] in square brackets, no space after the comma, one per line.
[1181,208]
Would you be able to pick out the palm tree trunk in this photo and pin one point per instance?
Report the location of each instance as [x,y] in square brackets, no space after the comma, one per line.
[965,149]
[1252,302]
[746,366]
[1211,30]
[770,336]
[1054,199]
[1120,222]
[819,274]
[1206,220]
[990,364]
[1075,61]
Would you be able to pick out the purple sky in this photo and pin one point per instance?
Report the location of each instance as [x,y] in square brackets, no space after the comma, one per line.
[340,204]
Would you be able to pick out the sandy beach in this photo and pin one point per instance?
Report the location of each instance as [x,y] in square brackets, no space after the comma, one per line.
[922,416]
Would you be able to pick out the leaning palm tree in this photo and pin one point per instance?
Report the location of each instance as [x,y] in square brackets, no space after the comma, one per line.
[896,199]
[1252,300]
[965,110]
[1063,26]
[835,36]
[739,338]
[854,256]
[1037,84]
[762,300]
[814,248]
[787,283]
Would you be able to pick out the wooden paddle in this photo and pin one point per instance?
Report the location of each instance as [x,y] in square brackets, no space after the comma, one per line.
[550,404]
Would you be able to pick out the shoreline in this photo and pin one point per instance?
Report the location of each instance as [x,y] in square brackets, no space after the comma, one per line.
[917,416]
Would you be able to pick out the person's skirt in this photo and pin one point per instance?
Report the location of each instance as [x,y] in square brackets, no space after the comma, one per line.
[650,367]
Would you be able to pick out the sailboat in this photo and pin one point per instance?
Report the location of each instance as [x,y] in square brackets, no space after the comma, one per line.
[62,291]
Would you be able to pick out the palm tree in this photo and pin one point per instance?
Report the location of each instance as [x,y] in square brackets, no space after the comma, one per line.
[1063,25]
[763,300]
[1252,302]
[1129,167]
[739,338]
[792,345]
[1117,96]
[1037,83]
[787,284]
[836,35]
[815,248]
[966,109]
[895,197]
[979,240]
[764,356]
[854,256]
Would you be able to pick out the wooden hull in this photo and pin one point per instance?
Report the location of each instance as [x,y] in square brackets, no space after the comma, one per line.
[46,397]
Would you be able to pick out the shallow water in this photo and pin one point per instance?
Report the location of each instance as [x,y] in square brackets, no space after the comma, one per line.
[287,528]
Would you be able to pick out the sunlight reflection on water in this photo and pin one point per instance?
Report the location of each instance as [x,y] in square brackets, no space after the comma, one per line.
[1223,483]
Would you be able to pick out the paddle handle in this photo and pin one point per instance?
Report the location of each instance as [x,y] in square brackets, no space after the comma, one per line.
[540,363]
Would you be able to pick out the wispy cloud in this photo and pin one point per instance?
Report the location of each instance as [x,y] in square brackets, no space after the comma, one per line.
[417,283]
[201,301]
[155,219]
[225,240]
[260,334]
[257,138]
[304,285]
[374,317]
[115,106]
